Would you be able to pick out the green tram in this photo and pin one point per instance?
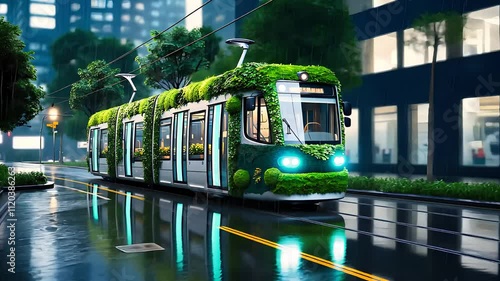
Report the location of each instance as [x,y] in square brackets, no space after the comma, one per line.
[259,131]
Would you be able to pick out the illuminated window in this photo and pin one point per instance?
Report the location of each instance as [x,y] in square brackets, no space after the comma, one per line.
[43,9]
[139,19]
[482,32]
[385,135]
[96,16]
[75,7]
[481,131]
[165,141]
[74,18]
[107,28]
[110,4]
[197,136]
[139,6]
[4,8]
[104,143]
[98,4]
[109,17]
[125,17]
[138,143]
[42,22]
[352,138]
[126,4]
[34,46]
[380,53]
[257,122]
[419,114]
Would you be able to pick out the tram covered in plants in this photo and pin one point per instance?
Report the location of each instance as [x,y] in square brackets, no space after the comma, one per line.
[259,131]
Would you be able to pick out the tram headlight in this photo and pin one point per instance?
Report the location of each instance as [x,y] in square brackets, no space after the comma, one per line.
[339,161]
[289,161]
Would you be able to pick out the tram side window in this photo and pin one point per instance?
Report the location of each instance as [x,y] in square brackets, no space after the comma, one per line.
[257,124]
[197,136]
[138,142]
[104,143]
[165,128]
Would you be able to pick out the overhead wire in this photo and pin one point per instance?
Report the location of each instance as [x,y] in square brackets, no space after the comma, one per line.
[179,49]
[134,49]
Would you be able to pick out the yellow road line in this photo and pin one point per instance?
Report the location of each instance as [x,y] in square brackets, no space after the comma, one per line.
[79,190]
[339,267]
[103,188]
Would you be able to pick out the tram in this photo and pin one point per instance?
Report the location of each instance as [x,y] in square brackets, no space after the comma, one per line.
[259,131]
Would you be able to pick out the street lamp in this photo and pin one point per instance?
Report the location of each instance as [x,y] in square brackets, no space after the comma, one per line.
[53,113]
[129,78]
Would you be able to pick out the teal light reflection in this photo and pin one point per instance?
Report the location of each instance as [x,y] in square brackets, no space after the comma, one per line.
[288,258]
[95,207]
[338,246]
[216,254]
[178,237]
[128,218]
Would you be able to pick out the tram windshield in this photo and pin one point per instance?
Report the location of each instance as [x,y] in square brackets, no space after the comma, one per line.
[310,112]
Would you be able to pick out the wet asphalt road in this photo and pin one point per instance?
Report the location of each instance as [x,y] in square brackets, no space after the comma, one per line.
[71,233]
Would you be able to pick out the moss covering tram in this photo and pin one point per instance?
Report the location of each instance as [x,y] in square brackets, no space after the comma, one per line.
[260,131]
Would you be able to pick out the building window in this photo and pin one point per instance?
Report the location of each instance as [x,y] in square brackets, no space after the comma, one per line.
[43,22]
[419,115]
[110,4]
[98,4]
[108,17]
[165,131]
[126,4]
[43,9]
[482,32]
[126,17]
[107,28]
[385,135]
[4,8]
[74,18]
[139,19]
[357,6]
[419,49]
[96,16]
[257,121]
[75,7]
[34,46]
[197,136]
[352,138]
[138,143]
[104,143]
[139,6]
[155,23]
[480,131]
[380,53]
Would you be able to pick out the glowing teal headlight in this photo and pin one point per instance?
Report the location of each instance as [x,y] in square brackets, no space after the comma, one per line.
[289,162]
[339,160]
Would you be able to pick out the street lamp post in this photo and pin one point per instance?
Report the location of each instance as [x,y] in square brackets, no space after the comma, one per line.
[41,128]
[53,113]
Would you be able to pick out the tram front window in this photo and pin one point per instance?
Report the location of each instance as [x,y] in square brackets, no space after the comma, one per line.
[321,122]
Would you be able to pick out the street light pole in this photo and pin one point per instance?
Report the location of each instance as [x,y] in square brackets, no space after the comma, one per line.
[54,144]
[41,128]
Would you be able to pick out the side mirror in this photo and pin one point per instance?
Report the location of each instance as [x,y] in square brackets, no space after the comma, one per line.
[347,108]
[347,122]
[250,104]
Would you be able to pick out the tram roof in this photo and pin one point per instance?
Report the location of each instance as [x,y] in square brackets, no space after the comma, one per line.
[250,76]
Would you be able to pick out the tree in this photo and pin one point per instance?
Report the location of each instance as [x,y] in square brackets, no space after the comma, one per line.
[167,68]
[315,32]
[96,89]
[19,98]
[76,50]
[438,29]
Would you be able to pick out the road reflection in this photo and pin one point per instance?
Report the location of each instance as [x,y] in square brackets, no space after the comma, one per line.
[196,248]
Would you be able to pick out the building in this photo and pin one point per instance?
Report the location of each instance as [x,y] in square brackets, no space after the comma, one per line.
[389,131]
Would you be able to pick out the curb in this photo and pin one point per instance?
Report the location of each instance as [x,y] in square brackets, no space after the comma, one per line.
[445,200]
[49,184]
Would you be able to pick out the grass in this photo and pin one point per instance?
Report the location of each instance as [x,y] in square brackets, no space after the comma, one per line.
[72,164]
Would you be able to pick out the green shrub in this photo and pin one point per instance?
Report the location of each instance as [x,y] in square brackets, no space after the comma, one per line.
[461,190]
[271,177]
[241,179]
[4,175]
[233,105]
[309,183]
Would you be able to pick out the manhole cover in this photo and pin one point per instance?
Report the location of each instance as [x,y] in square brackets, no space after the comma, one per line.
[140,248]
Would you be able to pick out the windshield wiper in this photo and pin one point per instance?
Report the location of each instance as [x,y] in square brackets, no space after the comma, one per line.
[290,129]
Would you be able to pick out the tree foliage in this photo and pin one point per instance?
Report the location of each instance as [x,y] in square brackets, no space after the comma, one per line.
[76,50]
[167,68]
[316,32]
[19,98]
[437,29]
[100,78]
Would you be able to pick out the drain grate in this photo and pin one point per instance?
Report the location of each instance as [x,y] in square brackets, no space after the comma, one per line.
[140,248]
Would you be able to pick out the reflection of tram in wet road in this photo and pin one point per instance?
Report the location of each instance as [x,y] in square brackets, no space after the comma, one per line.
[207,242]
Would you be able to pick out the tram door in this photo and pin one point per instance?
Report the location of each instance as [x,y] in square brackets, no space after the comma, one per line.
[179,147]
[127,150]
[217,147]
[94,149]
